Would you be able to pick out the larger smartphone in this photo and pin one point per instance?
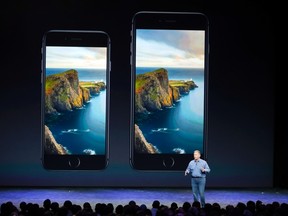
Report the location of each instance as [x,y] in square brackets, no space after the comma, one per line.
[75,100]
[169,64]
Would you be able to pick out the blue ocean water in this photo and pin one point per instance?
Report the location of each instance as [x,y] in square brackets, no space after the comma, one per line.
[177,129]
[82,131]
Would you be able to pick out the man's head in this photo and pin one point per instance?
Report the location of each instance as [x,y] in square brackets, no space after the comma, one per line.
[156,204]
[197,154]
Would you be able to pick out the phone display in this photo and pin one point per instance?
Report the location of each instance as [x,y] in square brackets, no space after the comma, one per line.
[75,100]
[169,89]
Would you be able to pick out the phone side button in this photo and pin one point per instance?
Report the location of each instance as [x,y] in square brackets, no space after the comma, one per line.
[74,163]
[168,162]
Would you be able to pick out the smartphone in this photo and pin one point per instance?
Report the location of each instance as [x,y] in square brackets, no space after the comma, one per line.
[75,100]
[169,66]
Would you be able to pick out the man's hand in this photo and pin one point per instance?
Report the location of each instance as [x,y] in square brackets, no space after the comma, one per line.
[186,172]
[202,169]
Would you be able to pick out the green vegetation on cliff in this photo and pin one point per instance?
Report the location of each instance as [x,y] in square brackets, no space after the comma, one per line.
[183,86]
[55,79]
[143,79]
[93,87]
[65,92]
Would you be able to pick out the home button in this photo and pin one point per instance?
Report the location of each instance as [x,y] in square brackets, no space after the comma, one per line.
[74,162]
[168,162]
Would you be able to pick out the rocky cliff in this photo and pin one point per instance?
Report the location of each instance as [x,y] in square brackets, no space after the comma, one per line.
[64,92]
[154,91]
[51,146]
[141,144]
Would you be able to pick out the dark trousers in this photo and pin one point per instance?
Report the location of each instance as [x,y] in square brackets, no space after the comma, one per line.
[198,188]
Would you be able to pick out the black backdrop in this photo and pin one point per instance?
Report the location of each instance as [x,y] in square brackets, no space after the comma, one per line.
[247,134]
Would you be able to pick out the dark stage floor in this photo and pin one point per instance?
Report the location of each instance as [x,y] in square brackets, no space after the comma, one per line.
[140,195]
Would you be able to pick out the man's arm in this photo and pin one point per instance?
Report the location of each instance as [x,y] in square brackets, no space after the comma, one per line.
[187,171]
[206,168]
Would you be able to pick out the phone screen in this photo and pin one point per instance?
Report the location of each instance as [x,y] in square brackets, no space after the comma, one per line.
[75,103]
[170,86]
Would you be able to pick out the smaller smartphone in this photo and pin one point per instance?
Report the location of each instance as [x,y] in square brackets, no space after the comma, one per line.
[75,100]
[169,77]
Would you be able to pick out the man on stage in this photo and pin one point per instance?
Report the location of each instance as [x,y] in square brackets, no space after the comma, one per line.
[198,169]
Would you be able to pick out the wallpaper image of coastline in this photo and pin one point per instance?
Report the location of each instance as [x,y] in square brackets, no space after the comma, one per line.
[169,92]
[75,100]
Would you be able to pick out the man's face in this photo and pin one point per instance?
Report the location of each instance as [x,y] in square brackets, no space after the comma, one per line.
[196,155]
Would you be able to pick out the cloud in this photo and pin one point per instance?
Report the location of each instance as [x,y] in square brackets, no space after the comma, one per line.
[170,48]
[75,57]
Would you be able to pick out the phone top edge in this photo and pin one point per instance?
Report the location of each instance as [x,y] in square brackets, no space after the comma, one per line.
[75,30]
[170,20]
[171,13]
[85,38]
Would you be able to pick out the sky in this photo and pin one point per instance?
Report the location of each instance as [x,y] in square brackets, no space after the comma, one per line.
[170,48]
[76,57]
